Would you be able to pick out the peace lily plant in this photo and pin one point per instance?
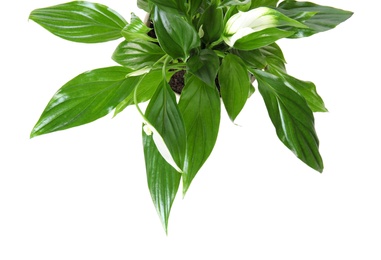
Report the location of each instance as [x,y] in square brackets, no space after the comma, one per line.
[214,49]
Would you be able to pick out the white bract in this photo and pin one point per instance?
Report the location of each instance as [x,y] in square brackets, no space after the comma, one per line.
[255,20]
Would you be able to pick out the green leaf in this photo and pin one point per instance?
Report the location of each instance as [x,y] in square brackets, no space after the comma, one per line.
[274,58]
[137,54]
[200,106]
[164,115]
[176,36]
[234,84]
[235,2]
[144,5]
[136,29]
[80,21]
[262,38]
[292,118]
[307,89]
[205,66]
[85,98]
[163,180]
[175,6]
[259,3]
[254,58]
[144,91]
[194,6]
[318,18]
[212,24]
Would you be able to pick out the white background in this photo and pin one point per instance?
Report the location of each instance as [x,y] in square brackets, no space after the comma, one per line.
[82,194]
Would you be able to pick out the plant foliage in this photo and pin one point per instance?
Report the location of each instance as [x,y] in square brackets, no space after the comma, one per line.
[220,46]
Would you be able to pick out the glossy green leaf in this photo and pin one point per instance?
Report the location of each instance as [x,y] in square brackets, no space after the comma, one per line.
[144,5]
[234,2]
[164,115]
[262,38]
[137,54]
[205,66]
[176,36]
[80,21]
[318,18]
[200,106]
[194,6]
[292,118]
[175,6]
[253,58]
[275,62]
[212,24]
[307,89]
[85,98]
[163,180]
[259,3]
[136,29]
[144,90]
[234,84]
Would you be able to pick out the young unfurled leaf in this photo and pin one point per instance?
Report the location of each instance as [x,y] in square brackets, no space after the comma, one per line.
[164,115]
[200,106]
[176,36]
[204,65]
[319,18]
[234,83]
[291,117]
[85,98]
[137,54]
[136,29]
[80,21]
[163,180]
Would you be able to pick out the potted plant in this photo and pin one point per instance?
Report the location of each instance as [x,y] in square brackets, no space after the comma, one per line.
[208,52]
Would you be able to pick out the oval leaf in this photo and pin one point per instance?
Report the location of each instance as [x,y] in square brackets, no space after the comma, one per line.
[80,21]
[200,106]
[291,117]
[176,36]
[234,84]
[163,180]
[205,66]
[137,54]
[85,98]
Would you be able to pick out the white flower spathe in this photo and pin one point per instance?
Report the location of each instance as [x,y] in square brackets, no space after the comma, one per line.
[255,20]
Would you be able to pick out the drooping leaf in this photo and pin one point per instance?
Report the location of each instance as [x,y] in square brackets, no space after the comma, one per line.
[200,106]
[307,89]
[137,54]
[85,98]
[136,29]
[262,38]
[80,21]
[234,84]
[176,36]
[291,117]
[144,91]
[163,180]
[318,18]
[212,24]
[204,65]
[164,115]
[275,62]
